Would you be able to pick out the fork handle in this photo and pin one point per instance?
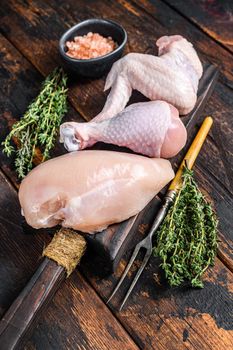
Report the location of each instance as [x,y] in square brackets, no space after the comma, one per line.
[190,157]
[192,153]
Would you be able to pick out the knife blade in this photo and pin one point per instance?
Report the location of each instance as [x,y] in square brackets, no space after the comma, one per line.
[205,89]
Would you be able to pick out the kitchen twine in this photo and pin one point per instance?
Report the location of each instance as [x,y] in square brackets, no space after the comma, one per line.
[66,248]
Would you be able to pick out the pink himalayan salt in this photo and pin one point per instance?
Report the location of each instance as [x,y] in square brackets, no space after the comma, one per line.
[90,46]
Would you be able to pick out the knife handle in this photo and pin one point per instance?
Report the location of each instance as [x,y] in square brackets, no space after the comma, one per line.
[192,153]
[62,255]
[20,318]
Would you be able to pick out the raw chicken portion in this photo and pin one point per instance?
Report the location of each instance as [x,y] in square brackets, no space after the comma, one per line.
[151,128]
[90,190]
[172,77]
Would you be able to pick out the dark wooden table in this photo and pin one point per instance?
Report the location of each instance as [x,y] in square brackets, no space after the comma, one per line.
[156,316]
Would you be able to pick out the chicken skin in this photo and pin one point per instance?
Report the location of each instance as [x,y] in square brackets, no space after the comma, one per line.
[151,128]
[172,76]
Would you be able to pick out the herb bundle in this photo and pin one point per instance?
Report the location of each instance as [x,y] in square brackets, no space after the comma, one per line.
[186,241]
[39,125]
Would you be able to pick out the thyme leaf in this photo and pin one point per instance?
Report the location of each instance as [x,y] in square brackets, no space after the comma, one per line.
[39,126]
[186,241]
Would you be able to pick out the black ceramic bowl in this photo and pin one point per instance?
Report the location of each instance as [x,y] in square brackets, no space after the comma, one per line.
[94,67]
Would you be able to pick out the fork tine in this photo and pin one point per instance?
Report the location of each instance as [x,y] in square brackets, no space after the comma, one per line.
[144,262]
[135,253]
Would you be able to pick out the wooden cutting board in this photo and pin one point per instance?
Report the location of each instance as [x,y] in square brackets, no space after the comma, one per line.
[110,245]
[105,248]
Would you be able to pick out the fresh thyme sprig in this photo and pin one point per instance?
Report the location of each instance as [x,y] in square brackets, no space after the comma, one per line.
[186,241]
[39,125]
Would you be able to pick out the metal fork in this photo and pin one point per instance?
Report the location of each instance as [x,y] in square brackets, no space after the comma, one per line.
[146,243]
[169,198]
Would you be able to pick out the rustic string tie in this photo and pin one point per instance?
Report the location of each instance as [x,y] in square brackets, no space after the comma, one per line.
[66,248]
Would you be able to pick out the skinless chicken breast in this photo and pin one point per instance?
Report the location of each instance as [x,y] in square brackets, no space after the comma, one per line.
[90,190]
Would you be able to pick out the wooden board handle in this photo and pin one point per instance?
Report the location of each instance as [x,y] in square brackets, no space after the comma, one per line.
[29,305]
[192,153]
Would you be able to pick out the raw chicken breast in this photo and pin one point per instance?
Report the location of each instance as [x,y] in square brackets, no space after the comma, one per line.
[90,190]
[150,128]
[172,77]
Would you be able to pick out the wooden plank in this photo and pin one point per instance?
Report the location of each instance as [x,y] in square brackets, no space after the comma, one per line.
[217,155]
[91,92]
[156,315]
[222,202]
[77,318]
[213,17]
[20,83]
[223,96]
[40,25]
[87,98]
[20,319]
[159,317]
[217,158]
[178,319]
[217,152]
[111,243]
[70,13]
[155,321]
[169,21]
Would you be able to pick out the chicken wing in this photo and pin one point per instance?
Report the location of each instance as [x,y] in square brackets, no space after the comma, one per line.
[172,76]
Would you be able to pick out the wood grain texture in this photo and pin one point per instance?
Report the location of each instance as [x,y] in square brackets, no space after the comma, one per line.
[159,317]
[90,89]
[20,319]
[18,75]
[212,16]
[216,159]
[135,26]
[11,56]
[87,94]
[222,203]
[39,24]
[218,156]
[93,91]
[78,318]
[173,22]
[181,313]
[20,83]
